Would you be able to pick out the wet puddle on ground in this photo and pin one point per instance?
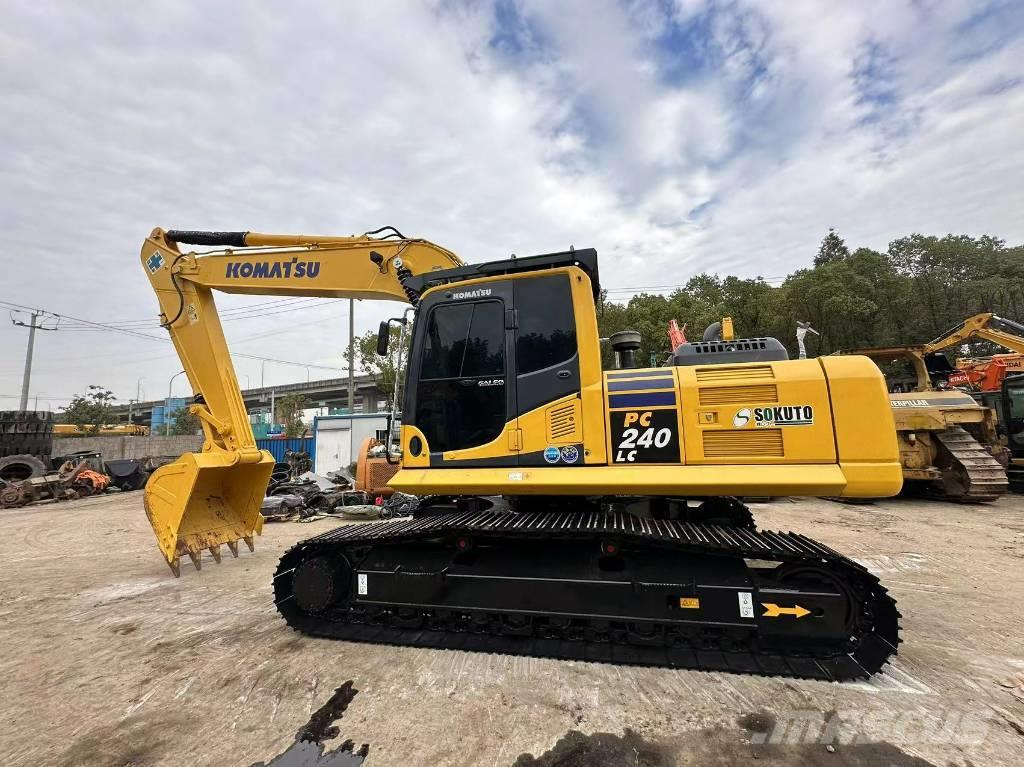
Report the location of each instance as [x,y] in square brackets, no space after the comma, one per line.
[755,737]
[602,749]
[715,746]
[308,748]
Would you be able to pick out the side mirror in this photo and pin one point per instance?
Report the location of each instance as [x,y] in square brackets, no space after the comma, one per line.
[383,337]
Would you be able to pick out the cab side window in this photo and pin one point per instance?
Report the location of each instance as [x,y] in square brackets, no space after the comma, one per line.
[461,402]
[547,323]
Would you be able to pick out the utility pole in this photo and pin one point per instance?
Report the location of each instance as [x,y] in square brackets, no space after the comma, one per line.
[26,377]
[351,356]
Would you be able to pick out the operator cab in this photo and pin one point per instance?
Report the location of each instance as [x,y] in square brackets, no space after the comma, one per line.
[494,343]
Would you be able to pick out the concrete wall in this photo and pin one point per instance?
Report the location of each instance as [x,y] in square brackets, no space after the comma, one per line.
[114,448]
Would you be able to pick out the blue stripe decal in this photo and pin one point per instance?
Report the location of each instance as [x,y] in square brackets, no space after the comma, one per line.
[654,383]
[642,400]
[640,373]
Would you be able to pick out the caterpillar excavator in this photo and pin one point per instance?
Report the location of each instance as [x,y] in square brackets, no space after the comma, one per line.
[985,374]
[569,511]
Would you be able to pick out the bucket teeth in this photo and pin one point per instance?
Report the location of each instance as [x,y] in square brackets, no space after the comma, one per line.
[197,559]
[215,550]
[175,566]
[249,543]
[233,546]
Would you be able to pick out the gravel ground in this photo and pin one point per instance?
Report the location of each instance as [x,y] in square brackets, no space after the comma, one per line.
[108,660]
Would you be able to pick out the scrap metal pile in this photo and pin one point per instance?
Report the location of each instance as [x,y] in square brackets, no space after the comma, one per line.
[303,497]
[26,479]
[67,483]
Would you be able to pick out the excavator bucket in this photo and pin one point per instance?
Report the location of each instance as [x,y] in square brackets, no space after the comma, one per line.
[203,500]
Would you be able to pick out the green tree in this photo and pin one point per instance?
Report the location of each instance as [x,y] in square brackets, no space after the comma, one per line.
[955,276]
[185,422]
[289,412]
[386,369]
[920,287]
[832,249]
[706,298]
[90,411]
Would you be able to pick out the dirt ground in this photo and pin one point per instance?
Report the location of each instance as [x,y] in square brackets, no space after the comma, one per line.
[106,659]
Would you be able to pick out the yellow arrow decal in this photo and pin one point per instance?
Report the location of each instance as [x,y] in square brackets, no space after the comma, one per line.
[772,610]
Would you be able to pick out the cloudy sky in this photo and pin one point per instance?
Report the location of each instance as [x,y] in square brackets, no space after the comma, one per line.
[674,137]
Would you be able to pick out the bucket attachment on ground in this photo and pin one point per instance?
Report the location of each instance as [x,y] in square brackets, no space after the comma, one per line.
[203,500]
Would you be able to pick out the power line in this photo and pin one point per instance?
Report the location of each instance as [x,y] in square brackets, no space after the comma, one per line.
[309,303]
[228,315]
[152,321]
[103,326]
[627,294]
[44,396]
[641,288]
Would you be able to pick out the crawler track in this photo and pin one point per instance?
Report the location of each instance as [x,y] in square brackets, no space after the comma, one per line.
[594,586]
[970,473]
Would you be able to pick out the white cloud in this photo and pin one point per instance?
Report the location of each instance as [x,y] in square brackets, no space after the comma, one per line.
[572,131]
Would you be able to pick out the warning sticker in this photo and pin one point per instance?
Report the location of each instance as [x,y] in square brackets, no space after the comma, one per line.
[689,603]
[362,584]
[746,604]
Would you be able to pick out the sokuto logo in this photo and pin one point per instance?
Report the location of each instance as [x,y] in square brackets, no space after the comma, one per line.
[742,418]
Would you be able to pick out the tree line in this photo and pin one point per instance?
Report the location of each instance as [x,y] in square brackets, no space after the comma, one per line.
[918,288]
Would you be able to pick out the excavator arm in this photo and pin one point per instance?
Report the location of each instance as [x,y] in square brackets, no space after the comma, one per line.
[987,326]
[207,499]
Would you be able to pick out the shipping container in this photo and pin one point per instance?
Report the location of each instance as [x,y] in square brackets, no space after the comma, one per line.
[278,447]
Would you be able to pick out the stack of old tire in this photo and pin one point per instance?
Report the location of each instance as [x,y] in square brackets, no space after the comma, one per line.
[26,441]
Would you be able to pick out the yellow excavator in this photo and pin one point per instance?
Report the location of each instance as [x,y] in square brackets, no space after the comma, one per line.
[986,373]
[568,511]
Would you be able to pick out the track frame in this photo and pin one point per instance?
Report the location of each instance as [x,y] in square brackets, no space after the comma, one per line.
[485,580]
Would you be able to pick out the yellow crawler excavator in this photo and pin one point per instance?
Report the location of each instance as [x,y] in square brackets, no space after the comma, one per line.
[567,511]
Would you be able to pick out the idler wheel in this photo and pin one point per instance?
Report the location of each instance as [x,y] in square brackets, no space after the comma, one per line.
[320,582]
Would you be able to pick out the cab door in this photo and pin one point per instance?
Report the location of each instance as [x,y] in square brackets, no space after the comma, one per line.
[459,396]
[547,380]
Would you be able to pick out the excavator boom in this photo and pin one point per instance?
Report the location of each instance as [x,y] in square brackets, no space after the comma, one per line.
[984,374]
[987,326]
[207,499]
